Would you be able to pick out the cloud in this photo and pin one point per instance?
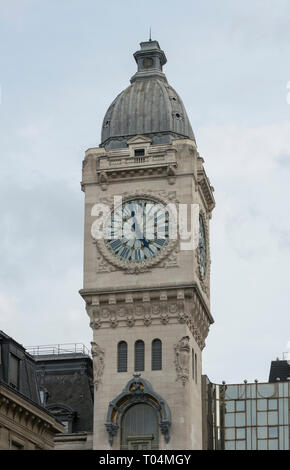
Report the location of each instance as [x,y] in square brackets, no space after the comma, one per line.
[250,248]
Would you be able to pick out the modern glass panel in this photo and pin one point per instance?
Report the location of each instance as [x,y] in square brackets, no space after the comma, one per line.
[254,438]
[262,432]
[242,391]
[261,405]
[272,405]
[272,417]
[241,433]
[266,390]
[230,420]
[230,434]
[232,391]
[230,445]
[230,406]
[262,444]
[241,445]
[286,412]
[240,419]
[262,418]
[249,439]
[281,438]
[273,444]
[273,432]
[254,416]
[240,405]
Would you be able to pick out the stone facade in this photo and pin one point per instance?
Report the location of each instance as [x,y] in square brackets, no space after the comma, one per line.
[166,298]
[23,424]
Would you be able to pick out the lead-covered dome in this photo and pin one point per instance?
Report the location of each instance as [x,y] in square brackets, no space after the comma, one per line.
[149,106]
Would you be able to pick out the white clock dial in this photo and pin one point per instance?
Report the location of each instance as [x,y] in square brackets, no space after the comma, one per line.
[202,247]
[138,231]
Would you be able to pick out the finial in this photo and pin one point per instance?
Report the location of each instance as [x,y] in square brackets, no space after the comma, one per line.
[150,34]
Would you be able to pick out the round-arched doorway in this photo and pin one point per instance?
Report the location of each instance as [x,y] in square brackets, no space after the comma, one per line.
[139,428]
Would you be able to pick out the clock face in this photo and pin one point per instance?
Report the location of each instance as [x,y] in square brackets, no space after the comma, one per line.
[138,231]
[202,247]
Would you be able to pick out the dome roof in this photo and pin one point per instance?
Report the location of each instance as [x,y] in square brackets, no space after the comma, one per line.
[149,106]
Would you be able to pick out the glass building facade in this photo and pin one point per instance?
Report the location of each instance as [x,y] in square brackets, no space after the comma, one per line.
[248,416]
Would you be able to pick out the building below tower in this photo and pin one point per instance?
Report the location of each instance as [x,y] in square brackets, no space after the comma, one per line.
[247,416]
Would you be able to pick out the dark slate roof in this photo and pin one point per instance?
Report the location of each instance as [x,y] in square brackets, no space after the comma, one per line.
[149,106]
[279,369]
[27,380]
[68,381]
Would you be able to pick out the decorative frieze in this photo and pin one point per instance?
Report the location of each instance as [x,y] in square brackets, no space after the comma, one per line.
[151,308]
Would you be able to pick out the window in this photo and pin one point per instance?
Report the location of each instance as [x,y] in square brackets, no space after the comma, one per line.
[139,152]
[139,355]
[122,356]
[156,354]
[14,371]
[192,361]
[16,445]
[66,426]
[139,428]
[195,368]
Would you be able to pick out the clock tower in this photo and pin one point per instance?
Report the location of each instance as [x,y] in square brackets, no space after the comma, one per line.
[147,293]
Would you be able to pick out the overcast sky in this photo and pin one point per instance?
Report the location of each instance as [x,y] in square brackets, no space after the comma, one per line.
[62,64]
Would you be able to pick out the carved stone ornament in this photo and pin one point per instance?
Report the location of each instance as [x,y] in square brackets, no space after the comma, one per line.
[137,390]
[98,363]
[182,357]
[146,265]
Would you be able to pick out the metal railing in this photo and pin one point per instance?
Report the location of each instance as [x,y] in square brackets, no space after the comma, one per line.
[57,349]
[286,356]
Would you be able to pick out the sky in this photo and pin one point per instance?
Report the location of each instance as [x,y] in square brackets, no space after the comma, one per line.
[62,63]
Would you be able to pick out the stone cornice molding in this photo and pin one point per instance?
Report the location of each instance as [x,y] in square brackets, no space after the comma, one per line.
[150,306]
[20,411]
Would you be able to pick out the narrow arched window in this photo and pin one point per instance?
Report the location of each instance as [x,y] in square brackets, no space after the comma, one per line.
[139,355]
[122,356]
[192,362]
[195,368]
[156,354]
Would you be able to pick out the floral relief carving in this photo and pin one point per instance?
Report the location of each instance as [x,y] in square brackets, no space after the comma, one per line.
[164,318]
[130,320]
[113,321]
[182,357]
[98,363]
[147,319]
[117,310]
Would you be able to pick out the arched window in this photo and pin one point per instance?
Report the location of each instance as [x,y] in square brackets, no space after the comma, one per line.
[156,354]
[195,368]
[192,361]
[122,356]
[139,355]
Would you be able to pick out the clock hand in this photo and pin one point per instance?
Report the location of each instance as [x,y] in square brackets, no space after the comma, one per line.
[140,235]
